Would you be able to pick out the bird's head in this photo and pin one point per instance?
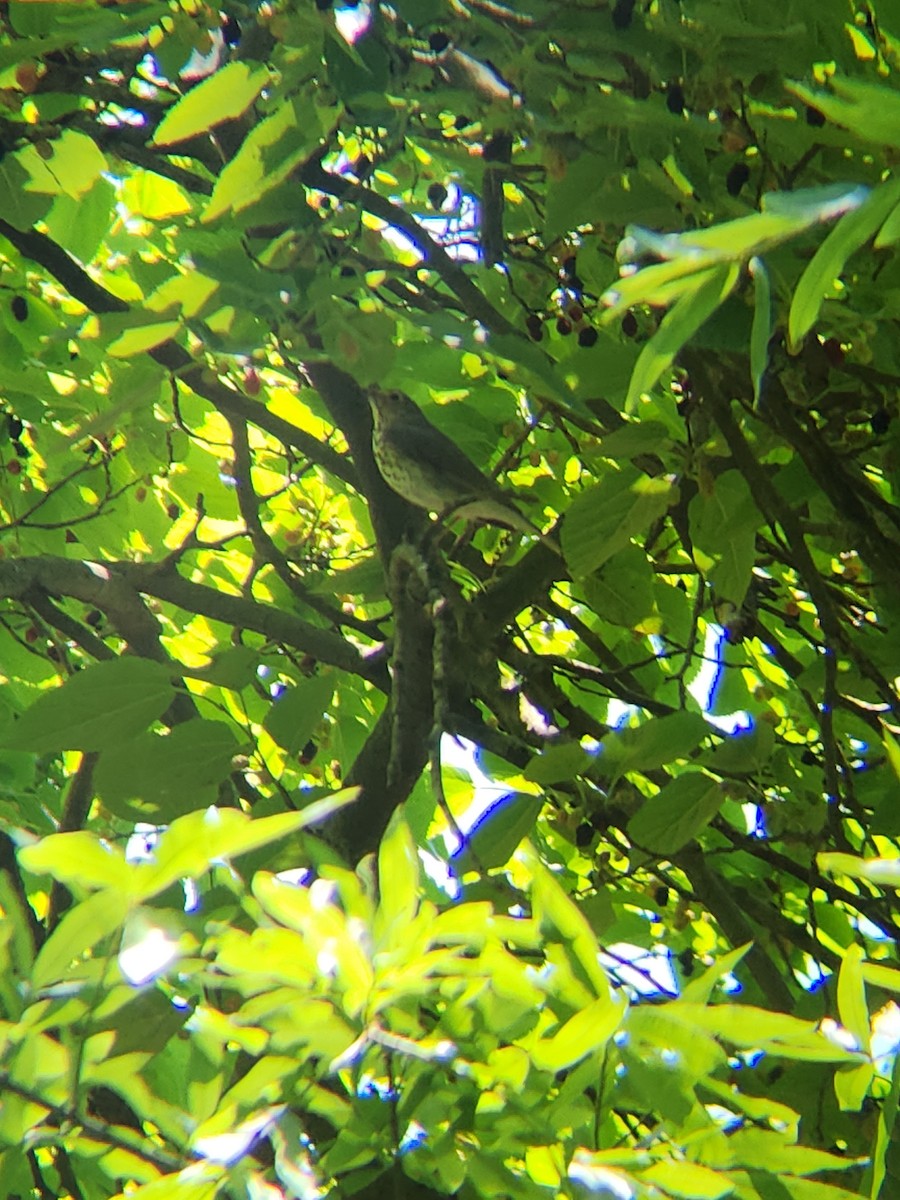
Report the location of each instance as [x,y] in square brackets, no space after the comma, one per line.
[389,404]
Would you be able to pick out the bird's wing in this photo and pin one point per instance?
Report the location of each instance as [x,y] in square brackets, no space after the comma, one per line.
[423,442]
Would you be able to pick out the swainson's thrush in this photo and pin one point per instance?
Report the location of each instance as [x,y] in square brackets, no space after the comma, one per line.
[429,470]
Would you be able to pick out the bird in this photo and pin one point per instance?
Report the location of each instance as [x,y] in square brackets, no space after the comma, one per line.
[430,471]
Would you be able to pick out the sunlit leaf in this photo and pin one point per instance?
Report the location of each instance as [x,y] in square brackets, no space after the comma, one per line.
[225,95]
[498,831]
[99,707]
[870,110]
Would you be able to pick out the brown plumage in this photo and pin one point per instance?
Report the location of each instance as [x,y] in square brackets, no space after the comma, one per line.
[429,470]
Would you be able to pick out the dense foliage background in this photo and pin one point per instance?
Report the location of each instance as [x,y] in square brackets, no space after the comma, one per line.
[640,261]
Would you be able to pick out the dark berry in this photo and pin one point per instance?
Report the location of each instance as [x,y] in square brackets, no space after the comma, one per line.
[563,326]
[686,961]
[19,308]
[231,31]
[584,835]
[736,178]
[675,98]
[498,148]
[814,117]
[629,325]
[568,268]
[661,896]
[437,195]
[622,14]
[14,427]
[880,421]
[535,327]
[588,337]
[462,121]
[438,42]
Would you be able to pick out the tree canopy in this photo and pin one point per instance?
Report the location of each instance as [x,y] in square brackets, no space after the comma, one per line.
[346,851]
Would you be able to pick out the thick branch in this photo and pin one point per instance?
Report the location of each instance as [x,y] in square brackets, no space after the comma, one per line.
[114,588]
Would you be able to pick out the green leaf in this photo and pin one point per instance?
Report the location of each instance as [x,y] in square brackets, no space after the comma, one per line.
[761,1148]
[761,332]
[235,668]
[74,165]
[497,833]
[676,814]
[851,1086]
[272,149]
[581,1035]
[885,1134]
[192,843]
[553,909]
[776,1033]
[294,716]
[78,860]
[723,525]
[870,110]
[889,233]
[852,231]
[677,327]
[97,708]
[851,997]
[222,97]
[623,589]
[892,750]
[881,976]
[699,990]
[157,778]
[146,194]
[653,743]
[686,1179]
[694,252]
[603,519]
[398,878]
[558,763]
[141,338]
[81,929]
[884,871]
[744,752]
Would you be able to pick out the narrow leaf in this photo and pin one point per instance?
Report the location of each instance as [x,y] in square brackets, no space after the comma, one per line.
[761,331]
[678,326]
[852,231]
[851,997]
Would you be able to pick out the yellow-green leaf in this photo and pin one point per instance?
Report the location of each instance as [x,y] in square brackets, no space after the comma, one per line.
[222,97]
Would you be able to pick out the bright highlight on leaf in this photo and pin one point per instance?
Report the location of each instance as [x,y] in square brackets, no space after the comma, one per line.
[222,97]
